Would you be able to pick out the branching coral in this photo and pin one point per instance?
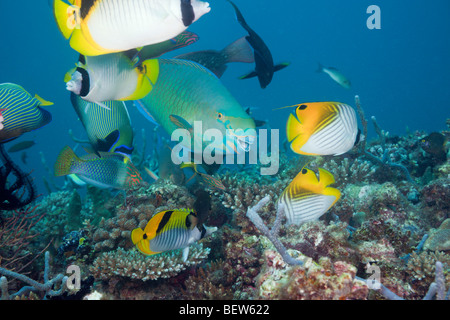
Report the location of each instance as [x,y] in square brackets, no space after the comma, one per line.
[134,265]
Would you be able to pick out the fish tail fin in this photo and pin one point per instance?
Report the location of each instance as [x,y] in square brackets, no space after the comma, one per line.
[280,66]
[319,67]
[239,51]
[65,17]
[43,102]
[64,161]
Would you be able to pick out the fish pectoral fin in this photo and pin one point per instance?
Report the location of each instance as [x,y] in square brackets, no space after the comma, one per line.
[248,75]
[180,122]
[280,66]
[43,102]
[185,253]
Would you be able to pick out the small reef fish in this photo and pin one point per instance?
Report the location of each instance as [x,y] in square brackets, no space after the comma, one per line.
[264,66]
[21,112]
[110,170]
[108,129]
[307,198]
[207,179]
[186,92]
[336,75]
[238,51]
[20,146]
[434,144]
[111,77]
[97,27]
[170,230]
[322,128]
[184,39]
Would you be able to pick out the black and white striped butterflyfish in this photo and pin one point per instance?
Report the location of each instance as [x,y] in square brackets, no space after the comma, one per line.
[108,129]
[307,197]
[111,77]
[98,27]
[322,128]
[170,230]
[21,112]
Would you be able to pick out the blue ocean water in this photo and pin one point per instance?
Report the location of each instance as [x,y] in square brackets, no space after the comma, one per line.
[400,72]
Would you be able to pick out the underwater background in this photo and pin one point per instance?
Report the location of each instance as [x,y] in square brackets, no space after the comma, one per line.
[401,74]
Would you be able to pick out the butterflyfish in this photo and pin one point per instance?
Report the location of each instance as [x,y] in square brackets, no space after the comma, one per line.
[170,230]
[108,129]
[336,75]
[264,65]
[216,61]
[322,128]
[97,27]
[111,77]
[186,92]
[21,112]
[109,171]
[307,197]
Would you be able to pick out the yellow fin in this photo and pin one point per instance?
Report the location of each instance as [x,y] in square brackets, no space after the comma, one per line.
[326,178]
[137,235]
[64,161]
[143,245]
[81,44]
[43,102]
[151,69]
[65,17]
[293,127]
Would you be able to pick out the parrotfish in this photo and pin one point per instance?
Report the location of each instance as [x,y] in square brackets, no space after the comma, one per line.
[108,129]
[238,51]
[110,170]
[322,128]
[21,112]
[97,27]
[336,75]
[264,66]
[184,39]
[111,77]
[307,197]
[170,230]
[185,92]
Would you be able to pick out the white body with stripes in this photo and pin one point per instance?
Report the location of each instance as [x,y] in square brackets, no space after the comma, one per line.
[308,208]
[336,138]
[119,24]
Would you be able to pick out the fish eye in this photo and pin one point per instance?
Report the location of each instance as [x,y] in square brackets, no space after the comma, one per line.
[304,171]
[219,115]
[303,107]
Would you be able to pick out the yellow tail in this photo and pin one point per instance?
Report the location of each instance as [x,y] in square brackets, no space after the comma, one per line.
[137,235]
[64,162]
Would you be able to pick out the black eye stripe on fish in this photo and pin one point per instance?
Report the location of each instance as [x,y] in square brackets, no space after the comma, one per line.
[164,221]
[187,12]
[85,82]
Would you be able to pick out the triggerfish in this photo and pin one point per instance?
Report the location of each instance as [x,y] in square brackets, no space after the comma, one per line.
[110,170]
[111,77]
[336,75]
[264,66]
[186,92]
[108,129]
[307,198]
[21,112]
[322,128]
[238,51]
[170,230]
[97,27]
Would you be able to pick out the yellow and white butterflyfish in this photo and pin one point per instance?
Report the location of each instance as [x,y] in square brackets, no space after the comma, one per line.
[322,128]
[112,77]
[170,230]
[97,27]
[307,197]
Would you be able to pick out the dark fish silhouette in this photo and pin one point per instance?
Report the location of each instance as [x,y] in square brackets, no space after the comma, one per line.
[434,144]
[21,146]
[264,67]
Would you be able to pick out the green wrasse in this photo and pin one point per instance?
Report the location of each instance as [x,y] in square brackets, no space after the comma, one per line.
[336,75]
[97,27]
[185,92]
[108,129]
[21,112]
[111,170]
